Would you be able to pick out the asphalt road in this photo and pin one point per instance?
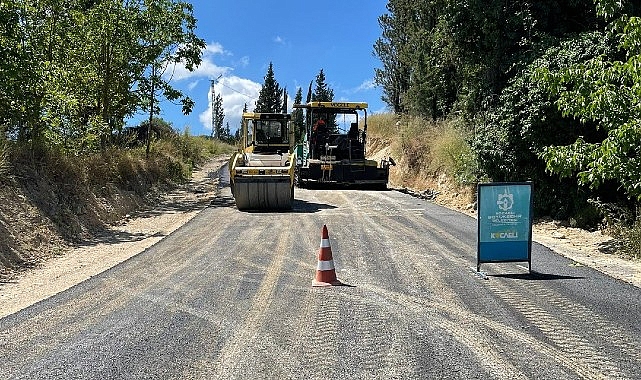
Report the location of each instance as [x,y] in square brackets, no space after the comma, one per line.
[229,296]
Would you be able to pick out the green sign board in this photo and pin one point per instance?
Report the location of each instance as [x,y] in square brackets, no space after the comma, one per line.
[504,222]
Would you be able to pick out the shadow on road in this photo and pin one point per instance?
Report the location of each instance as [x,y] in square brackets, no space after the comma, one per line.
[301,206]
[112,236]
[298,206]
[535,276]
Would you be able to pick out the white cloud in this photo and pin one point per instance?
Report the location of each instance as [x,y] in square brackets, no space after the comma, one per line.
[236,92]
[193,85]
[366,85]
[244,61]
[206,69]
[279,40]
[214,48]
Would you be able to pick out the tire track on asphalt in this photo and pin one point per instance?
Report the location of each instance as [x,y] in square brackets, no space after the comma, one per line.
[491,360]
[579,349]
[568,340]
[577,346]
[321,334]
[97,306]
[234,353]
[365,317]
[480,349]
[439,295]
[450,318]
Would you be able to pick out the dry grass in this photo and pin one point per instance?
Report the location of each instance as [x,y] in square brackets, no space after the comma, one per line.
[383,126]
[430,156]
[627,239]
[52,199]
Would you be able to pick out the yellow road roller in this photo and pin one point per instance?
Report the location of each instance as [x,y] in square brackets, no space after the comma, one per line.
[262,171]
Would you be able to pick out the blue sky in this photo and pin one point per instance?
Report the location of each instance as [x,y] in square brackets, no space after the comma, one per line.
[298,37]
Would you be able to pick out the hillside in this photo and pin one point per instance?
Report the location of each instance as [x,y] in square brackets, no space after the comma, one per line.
[45,212]
[53,202]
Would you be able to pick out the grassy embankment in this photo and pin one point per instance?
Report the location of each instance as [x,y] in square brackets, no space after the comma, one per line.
[431,157]
[51,200]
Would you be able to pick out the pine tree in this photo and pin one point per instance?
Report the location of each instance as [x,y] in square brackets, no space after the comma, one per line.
[322,92]
[270,95]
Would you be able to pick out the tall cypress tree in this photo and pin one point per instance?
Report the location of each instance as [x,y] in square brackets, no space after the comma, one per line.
[219,117]
[270,95]
[298,117]
[309,92]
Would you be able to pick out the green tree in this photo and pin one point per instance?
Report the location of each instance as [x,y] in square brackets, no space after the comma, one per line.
[440,56]
[322,91]
[75,70]
[239,132]
[219,117]
[169,39]
[604,92]
[309,92]
[285,95]
[525,121]
[270,97]
[14,70]
[298,118]
[111,61]
[394,76]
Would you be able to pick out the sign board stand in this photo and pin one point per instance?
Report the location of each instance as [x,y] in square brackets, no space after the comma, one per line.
[504,223]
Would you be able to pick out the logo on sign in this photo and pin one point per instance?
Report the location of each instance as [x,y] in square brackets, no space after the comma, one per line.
[505,201]
[504,235]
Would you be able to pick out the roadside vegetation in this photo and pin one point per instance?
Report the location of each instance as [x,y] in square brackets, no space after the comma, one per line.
[72,74]
[437,160]
[51,199]
[543,91]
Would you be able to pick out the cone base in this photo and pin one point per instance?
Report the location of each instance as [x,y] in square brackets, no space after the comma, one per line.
[321,283]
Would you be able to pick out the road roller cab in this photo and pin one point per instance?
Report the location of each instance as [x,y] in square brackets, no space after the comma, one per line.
[262,171]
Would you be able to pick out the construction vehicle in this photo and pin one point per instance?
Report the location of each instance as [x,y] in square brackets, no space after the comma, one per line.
[333,155]
[262,171]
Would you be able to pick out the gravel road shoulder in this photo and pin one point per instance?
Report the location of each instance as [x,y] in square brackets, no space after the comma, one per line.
[139,232]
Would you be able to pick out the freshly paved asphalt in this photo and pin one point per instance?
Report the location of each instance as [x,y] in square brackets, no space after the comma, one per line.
[229,295]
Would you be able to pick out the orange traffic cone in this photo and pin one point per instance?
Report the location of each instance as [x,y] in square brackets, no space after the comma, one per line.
[325,272]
